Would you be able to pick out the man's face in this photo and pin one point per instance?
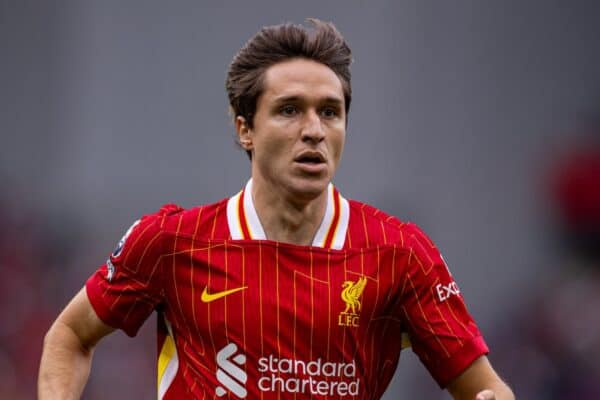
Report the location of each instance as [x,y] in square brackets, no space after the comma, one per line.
[299,128]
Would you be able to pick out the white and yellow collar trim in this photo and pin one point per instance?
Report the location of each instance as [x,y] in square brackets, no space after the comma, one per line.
[245,225]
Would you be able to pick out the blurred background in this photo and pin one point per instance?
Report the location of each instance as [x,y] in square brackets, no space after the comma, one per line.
[480,121]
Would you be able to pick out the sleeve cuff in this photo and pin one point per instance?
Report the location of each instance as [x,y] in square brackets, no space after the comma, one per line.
[445,372]
[102,310]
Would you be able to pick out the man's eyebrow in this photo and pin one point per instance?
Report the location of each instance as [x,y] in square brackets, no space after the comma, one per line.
[295,98]
[333,100]
[286,99]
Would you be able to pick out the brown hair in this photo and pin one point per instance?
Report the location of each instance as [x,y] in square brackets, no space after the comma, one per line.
[274,44]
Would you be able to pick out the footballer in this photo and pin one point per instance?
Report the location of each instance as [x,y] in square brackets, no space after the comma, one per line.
[286,289]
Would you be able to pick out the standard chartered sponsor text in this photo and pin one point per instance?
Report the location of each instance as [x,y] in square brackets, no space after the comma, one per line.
[315,377]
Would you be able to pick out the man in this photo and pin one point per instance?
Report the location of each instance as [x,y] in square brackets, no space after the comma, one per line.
[285,289]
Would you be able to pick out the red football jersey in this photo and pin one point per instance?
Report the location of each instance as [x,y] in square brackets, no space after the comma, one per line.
[241,316]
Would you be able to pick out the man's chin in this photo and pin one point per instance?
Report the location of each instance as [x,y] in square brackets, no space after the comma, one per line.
[309,188]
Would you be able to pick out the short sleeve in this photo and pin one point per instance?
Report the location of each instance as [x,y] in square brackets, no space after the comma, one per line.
[126,289]
[441,331]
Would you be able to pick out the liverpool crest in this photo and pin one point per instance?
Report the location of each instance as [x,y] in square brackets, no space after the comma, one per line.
[351,296]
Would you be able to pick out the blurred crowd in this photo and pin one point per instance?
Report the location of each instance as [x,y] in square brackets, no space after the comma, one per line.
[26,294]
[44,261]
[550,347]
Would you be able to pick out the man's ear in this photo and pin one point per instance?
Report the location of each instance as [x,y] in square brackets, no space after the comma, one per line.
[243,133]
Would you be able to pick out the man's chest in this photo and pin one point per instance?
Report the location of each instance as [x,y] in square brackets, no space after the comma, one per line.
[259,289]
[309,319]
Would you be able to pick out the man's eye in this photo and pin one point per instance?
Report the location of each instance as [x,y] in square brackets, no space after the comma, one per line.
[329,112]
[289,110]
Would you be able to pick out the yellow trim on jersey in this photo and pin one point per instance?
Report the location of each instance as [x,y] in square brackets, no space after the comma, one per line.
[242,217]
[237,214]
[166,355]
[405,341]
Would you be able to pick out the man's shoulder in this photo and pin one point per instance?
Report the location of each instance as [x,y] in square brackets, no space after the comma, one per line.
[373,213]
[197,221]
[370,226]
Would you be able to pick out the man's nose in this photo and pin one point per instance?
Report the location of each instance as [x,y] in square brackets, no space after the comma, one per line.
[313,127]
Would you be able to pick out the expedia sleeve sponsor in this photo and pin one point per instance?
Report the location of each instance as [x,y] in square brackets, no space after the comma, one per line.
[445,291]
[442,332]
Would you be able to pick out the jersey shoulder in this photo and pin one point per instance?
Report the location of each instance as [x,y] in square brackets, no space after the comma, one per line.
[153,233]
[369,226]
[205,222]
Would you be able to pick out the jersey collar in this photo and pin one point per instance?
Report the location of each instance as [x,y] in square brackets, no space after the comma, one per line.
[244,223]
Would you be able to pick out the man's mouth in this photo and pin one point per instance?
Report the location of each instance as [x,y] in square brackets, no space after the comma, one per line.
[310,158]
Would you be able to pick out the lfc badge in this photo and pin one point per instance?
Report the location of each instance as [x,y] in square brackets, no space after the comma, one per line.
[351,296]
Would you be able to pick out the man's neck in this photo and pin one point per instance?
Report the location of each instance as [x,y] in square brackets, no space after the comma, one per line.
[286,219]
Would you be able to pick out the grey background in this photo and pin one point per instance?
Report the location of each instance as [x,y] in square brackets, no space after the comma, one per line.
[110,109]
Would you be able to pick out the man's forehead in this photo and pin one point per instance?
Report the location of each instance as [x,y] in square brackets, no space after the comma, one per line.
[300,79]
[293,96]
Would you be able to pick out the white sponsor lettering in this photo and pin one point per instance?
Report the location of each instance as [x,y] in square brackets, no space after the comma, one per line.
[312,368]
[229,374]
[445,291]
[277,384]
[286,375]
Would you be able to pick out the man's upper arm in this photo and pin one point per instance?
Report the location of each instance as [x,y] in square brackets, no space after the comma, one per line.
[479,376]
[80,317]
[442,332]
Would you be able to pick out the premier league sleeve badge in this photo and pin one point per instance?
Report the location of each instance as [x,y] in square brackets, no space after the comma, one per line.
[119,248]
[110,267]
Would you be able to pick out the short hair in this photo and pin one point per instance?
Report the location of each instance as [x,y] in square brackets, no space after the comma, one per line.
[274,44]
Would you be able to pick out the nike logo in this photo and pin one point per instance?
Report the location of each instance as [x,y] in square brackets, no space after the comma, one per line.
[208,297]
